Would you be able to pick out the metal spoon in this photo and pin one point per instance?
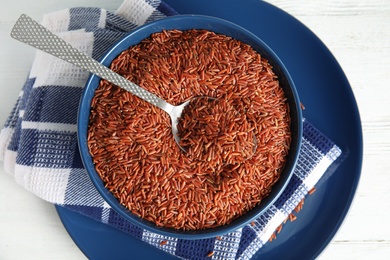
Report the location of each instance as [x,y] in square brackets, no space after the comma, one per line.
[30,32]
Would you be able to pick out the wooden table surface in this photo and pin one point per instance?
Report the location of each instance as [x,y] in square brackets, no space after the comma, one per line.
[357,32]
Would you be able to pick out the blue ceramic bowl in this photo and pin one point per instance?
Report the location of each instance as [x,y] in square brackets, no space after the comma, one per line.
[185,22]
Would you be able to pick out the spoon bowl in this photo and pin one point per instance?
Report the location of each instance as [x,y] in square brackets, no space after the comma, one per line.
[175,114]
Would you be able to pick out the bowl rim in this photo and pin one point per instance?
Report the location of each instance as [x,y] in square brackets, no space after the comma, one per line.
[134,37]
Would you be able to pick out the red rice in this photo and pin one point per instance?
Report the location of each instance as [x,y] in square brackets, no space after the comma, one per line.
[213,131]
[163,242]
[133,148]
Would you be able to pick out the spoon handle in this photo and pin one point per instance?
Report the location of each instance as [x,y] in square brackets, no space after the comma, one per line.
[30,32]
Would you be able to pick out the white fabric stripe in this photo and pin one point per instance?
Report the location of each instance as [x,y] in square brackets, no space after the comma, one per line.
[308,152]
[321,167]
[5,138]
[106,212]
[270,228]
[37,64]
[57,21]
[102,18]
[51,71]
[10,161]
[49,126]
[21,113]
[55,181]
[135,11]
[20,173]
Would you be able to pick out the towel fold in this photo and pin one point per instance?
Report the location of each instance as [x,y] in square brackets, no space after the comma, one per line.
[38,143]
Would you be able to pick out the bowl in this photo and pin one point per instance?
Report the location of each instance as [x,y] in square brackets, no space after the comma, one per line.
[186,22]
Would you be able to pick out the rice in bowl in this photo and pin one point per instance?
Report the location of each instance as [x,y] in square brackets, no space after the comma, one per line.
[135,154]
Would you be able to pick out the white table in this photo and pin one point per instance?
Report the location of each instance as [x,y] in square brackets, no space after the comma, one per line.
[358,34]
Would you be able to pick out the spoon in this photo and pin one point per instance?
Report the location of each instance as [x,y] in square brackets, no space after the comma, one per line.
[32,33]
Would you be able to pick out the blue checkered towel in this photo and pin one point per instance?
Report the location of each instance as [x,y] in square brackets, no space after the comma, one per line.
[38,143]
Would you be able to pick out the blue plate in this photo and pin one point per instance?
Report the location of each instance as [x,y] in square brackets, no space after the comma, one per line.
[330,106]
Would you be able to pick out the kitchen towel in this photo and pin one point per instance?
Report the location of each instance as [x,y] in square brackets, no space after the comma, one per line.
[38,143]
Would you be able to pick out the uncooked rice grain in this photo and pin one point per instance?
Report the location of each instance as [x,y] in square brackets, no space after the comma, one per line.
[135,154]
